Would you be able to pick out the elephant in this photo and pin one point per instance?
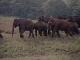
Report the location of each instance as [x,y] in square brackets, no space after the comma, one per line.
[70,18]
[41,27]
[75,23]
[74,27]
[45,19]
[77,20]
[24,25]
[72,21]
[55,25]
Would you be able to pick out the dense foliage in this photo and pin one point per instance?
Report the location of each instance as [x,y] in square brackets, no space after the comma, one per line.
[35,8]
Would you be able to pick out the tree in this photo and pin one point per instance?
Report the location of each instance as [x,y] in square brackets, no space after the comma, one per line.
[5,8]
[35,8]
[77,8]
[56,7]
[72,6]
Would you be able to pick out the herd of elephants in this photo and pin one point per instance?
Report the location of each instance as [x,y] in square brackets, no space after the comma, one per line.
[48,25]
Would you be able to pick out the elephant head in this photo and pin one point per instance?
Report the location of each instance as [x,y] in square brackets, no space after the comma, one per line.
[15,24]
[1,36]
[51,23]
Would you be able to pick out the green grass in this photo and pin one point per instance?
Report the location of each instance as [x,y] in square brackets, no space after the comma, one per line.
[38,48]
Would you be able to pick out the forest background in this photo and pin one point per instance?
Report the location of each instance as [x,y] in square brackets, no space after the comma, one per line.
[35,8]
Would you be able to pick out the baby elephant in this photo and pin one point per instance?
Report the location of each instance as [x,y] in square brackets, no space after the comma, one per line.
[41,27]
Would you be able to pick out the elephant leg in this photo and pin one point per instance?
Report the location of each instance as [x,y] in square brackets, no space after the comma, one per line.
[76,31]
[21,36]
[73,33]
[66,33]
[70,33]
[1,36]
[21,32]
[58,33]
[49,32]
[45,32]
[40,33]
[35,32]
[31,32]
[53,31]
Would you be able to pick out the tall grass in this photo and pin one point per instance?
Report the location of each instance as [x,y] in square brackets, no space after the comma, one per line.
[38,48]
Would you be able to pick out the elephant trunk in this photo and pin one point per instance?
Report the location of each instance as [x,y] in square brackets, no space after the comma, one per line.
[12,30]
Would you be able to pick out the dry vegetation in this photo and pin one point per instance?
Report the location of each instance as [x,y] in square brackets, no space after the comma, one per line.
[38,48]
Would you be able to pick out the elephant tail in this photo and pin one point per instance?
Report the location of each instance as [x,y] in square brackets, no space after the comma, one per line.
[12,30]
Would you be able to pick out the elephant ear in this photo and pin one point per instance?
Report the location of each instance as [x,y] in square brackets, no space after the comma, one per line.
[17,21]
[52,21]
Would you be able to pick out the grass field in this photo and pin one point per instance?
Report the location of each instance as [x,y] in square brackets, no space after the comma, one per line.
[38,48]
